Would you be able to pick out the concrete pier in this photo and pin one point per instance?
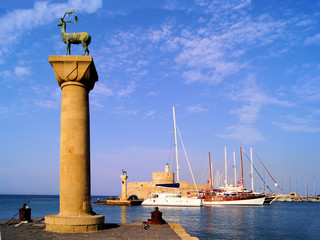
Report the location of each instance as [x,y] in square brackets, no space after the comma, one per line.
[76,75]
[120,202]
[36,231]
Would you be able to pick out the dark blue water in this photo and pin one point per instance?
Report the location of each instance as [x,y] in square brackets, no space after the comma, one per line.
[277,221]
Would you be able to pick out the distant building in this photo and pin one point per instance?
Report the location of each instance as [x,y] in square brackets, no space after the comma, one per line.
[144,189]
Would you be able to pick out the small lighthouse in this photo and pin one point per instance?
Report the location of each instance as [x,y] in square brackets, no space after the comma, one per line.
[124,178]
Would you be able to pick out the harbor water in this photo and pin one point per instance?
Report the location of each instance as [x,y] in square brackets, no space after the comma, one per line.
[281,220]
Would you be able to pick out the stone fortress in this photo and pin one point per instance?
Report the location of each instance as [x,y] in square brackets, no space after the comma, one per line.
[144,189]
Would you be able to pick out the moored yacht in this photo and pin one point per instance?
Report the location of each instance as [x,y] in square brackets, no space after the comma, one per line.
[237,198]
[172,199]
[231,195]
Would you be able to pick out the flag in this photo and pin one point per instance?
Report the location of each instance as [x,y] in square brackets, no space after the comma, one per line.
[239,182]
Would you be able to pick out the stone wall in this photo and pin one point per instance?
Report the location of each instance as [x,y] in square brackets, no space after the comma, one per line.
[145,189]
[162,177]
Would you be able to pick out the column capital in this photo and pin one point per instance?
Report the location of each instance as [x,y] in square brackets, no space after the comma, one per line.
[124,177]
[70,69]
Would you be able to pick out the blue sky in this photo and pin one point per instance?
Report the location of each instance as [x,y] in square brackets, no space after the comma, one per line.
[240,73]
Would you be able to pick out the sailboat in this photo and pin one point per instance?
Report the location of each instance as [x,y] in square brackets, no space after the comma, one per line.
[232,195]
[172,199]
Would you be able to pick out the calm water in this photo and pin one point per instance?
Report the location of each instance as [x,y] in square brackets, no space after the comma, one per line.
[276,221]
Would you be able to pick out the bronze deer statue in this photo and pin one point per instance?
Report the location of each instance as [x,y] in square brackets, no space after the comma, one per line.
[74,38]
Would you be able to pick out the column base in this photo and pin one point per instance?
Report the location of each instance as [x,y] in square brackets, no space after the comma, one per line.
[56,223]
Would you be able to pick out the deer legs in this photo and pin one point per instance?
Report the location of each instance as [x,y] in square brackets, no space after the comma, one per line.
[85,46]
[68,48]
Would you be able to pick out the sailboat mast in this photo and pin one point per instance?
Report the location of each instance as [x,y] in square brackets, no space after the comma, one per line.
[251,169]
[306,184]
[289,184]
[264,184]
[211,187]
[235,170]
[275,183]
[242,179]
[314,185]
[175,142]
[225,167]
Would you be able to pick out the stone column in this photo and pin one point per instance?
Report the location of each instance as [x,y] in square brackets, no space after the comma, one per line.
[76,75]
[124,187]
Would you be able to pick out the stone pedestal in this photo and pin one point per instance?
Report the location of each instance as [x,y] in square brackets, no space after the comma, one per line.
[124,187]
[76,75]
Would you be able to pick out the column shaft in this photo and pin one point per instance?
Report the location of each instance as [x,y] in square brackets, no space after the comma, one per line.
[74,151]
[124,187]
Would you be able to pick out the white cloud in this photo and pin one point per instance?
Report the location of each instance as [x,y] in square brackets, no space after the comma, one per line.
[150,114]
[210,55]
[292,127]
[243,133]
[308,89]
[304,22]
[99,94]
[4,75]
[196,109]
[316,112]
[151,93]
[171,5]
[123,111]
[46,97]
[102,89]
[249,91]
[156,35]
[142,63]
[242,4]
[4,110]
[21,71]
[293,123]
[46,104]
[253,98]
[192,75]
[127,52]
[130,88]
[313,40]
[247,113]
[18,71]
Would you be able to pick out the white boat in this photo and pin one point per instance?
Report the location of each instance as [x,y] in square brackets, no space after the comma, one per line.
[173,199]
[288,199]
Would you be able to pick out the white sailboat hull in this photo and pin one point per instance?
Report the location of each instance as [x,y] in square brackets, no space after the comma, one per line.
[173,202]
[253,201]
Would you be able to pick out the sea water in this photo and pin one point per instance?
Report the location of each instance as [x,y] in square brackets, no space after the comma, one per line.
[283,220]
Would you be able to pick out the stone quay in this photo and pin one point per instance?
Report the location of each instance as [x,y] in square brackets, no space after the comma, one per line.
[35,230]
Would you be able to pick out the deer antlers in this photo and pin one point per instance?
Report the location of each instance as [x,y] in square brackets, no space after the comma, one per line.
[69,13]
